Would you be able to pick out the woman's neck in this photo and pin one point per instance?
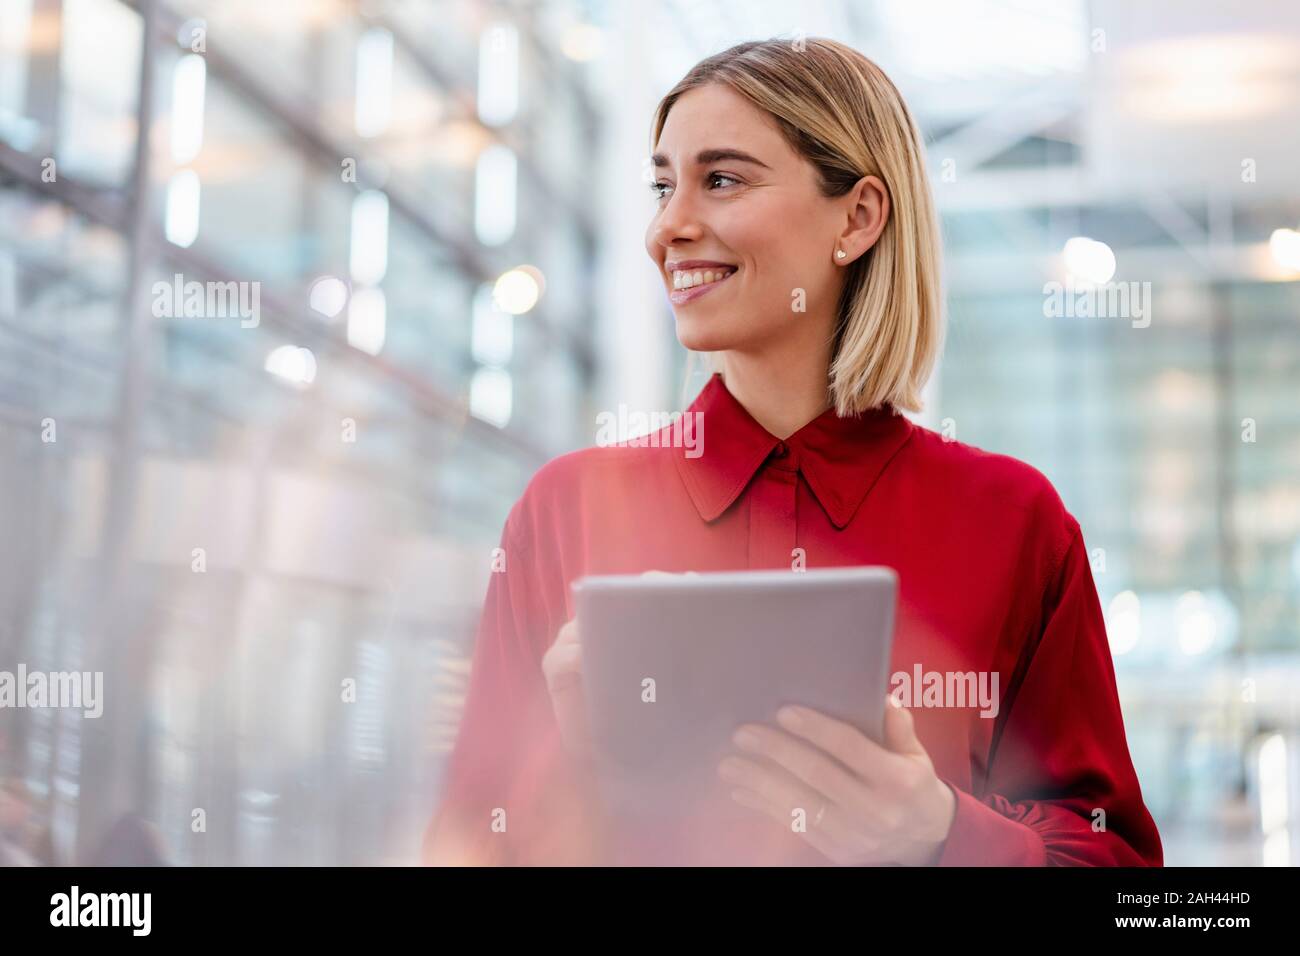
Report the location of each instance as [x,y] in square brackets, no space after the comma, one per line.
[782,392]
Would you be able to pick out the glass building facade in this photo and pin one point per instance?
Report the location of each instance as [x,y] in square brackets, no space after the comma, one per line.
[264,508]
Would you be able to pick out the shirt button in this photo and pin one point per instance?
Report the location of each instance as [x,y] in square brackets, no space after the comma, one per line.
[781,450]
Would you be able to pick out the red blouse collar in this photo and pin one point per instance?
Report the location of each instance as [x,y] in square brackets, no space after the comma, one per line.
[840,458]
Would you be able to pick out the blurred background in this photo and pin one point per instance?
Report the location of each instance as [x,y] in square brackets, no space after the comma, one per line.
[267,516]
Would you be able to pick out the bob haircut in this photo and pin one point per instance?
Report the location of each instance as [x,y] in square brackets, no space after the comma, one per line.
[839,110]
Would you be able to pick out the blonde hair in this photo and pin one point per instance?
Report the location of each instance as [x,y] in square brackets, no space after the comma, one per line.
[839,110]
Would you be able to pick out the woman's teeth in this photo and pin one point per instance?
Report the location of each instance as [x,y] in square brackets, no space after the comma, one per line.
[689,280]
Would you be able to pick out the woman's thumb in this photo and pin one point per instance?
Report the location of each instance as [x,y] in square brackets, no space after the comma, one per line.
[900,729]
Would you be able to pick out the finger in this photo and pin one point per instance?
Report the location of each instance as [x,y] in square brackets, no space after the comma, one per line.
[569,704]
[563,667]
[571,718]
[770,782]
[846,743]
[568,633]
[562,671]
[783,794]
[820,837]
[900,729]
[803,760]
[564,655]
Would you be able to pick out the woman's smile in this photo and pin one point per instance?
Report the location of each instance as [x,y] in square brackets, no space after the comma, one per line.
[692,278]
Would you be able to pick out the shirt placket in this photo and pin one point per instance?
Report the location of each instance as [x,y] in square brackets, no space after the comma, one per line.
[772,532]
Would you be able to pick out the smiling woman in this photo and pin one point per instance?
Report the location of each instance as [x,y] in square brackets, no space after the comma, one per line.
[796,240]
[829,224]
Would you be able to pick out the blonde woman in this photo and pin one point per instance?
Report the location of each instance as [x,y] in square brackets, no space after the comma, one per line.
[796,239]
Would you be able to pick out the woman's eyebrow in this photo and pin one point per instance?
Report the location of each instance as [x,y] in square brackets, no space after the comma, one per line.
[706,156]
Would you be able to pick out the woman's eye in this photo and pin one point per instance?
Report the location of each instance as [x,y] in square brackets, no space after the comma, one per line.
[659,188]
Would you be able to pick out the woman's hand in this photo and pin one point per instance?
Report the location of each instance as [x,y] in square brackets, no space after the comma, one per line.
[863,803]
[562,667]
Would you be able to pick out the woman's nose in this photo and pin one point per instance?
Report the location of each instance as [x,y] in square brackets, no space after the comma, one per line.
[678,220]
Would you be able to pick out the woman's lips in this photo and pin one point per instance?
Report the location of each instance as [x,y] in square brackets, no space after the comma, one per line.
[682,296]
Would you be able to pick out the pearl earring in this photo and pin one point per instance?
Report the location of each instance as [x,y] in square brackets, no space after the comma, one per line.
[840,253]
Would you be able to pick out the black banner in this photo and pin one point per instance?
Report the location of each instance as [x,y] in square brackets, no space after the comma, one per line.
[331,906]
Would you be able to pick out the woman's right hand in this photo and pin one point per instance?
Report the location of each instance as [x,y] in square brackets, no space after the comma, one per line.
[562,666]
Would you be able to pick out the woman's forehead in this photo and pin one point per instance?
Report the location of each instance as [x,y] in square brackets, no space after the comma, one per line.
[715,118]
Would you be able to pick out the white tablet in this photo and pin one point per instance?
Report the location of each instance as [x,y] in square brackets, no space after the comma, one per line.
[673,664]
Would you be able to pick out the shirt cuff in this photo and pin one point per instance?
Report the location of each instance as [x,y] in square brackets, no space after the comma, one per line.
[980,836]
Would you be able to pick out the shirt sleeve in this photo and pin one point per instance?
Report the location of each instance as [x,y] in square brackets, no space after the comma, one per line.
[1060,788]
[510,796]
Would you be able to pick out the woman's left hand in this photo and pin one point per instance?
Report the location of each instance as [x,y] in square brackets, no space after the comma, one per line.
[863,803]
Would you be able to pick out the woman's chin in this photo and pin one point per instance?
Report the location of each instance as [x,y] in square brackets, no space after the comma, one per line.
[692,336]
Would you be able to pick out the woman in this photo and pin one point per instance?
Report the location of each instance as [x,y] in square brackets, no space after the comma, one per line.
[795,236]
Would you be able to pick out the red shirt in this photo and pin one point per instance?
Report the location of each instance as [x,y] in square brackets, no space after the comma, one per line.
[993,578]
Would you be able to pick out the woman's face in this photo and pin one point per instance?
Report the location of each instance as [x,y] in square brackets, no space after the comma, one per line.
[736,200]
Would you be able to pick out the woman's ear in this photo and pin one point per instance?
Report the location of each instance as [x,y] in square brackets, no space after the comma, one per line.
[867,214]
